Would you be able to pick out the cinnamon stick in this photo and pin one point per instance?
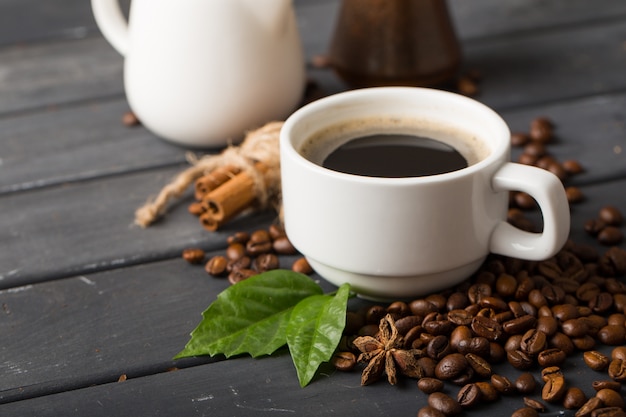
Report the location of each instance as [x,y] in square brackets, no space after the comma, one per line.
[214,179]
[231,198]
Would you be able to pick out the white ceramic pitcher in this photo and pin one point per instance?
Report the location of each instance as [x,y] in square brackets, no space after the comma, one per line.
[202,72]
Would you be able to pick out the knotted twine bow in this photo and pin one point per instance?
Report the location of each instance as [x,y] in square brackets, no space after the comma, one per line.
[260,145]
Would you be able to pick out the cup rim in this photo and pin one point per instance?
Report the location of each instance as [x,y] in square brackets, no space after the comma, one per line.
[349,98]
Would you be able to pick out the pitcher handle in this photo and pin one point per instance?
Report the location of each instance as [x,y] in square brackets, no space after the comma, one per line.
[111,21]
[548,191]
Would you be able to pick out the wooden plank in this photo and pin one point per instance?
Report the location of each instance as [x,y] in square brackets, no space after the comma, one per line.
[88,226]
[28,21]
[42,75]
[493,18]
[544,67]
[77,143]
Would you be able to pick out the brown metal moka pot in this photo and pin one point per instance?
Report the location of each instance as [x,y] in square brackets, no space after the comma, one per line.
[395,42]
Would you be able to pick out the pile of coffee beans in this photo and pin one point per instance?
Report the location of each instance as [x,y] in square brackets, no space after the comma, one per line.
[249,254]
[531,315]
[606,226]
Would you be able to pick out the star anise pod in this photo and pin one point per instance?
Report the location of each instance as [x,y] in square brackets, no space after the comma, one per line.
[384,354]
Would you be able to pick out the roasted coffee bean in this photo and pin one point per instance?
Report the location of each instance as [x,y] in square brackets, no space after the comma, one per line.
[368,330]
[526,383]
[266,262]
[596,360]
[438,347]
[497,353]
[534,404]
[574,398]
[611,215]
[413,337]
[610,398]
[563,342]
[429,385]
[444,403]
[519,359]
[608,412]
[513,343]
[619,353]
[533,342]
[216,266]
[259,242]
[551,357]
[525,201]
[438,327]
[616,256]
[573,194]
[238,237]
[519,139]
[592,404]
[451,366]
[193,255]
[601,303]
[374,314]
[535,149]
[283,246]
[428,365]
[487,391]
[239,275]
[398,309]
[468,396]
[572,167]
[407,323]
[584,343]
[477,291]
[302,266]
[457,301]
[241,263]
[477,345]
[343,361]
[617,370]
[612,335]
[575,328]
[502,384]
[481,367]
[541,130]
[606,384]
[519,325]
[429,411]
[460,317]
[554,388]
[587,291]
[564,312]
[548,325]
[525,412]
[422,307]
[235,251]
[458,334]
[610,235]
[487,328]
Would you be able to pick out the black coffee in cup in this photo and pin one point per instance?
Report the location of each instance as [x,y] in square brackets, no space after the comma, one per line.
[393,147]
[394,156]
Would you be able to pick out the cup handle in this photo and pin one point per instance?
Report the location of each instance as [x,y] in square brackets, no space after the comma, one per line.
[547,190]
[111,21]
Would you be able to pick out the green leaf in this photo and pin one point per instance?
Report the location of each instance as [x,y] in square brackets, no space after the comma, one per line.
[251,316]
[314,331]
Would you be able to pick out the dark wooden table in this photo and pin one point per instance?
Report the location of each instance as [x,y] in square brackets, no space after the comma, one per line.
[86,296]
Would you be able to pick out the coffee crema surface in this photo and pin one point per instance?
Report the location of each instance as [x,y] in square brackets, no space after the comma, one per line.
[393,147]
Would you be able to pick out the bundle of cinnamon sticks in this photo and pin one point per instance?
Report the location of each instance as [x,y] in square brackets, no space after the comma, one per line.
[224,193]
[227,184]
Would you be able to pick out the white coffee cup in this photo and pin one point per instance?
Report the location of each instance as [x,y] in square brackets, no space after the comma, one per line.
[404,237]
